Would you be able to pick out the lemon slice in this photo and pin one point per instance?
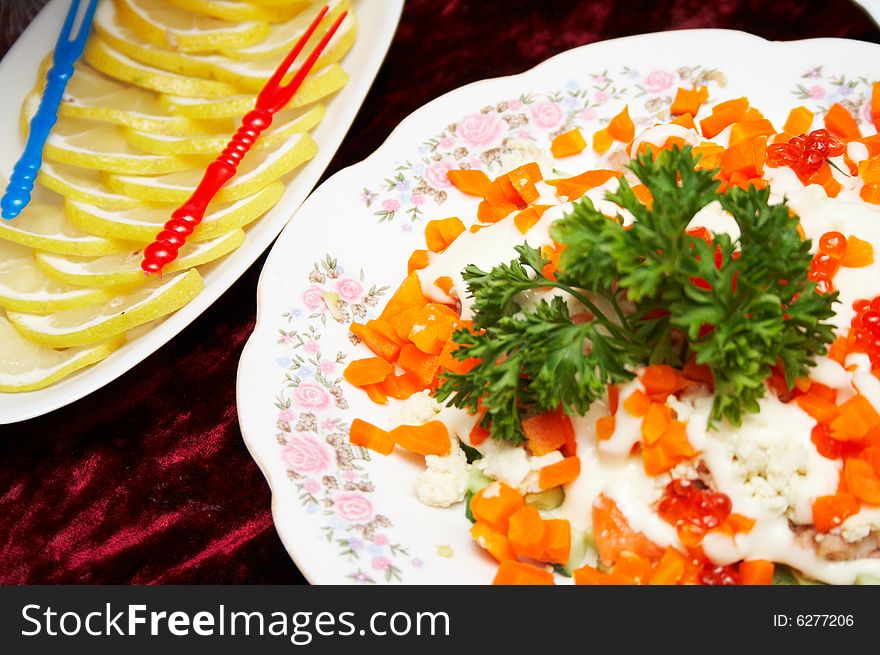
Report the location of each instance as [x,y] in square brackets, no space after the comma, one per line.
[26,366]
[45,227]
[249,74]
[96,97]
[100,146]
[82,184]
[285,124]
[316,86]
[166,26]
[143,223]
[101,56]
[258,170]
[25,288]
[88,325]
[125,268]
[282,37]
[233,10]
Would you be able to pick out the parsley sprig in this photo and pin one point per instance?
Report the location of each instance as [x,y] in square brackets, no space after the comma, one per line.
[754,309]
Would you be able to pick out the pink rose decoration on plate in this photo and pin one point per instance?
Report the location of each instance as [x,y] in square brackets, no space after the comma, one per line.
[309,395]
[658,81]
[588,114]
[306,455]
[817,92]
[446,142]
[327,368]
[479,129]
[547,115]
[435,174]
[313,298]
[390,205]
[285,415]
[311,486]
[349,289]
[312,347]
[602,97]
[381,563]
[353,507]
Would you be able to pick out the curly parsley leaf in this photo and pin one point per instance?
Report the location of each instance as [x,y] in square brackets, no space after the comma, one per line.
[739,306]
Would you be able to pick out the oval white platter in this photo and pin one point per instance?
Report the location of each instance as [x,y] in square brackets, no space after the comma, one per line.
[376,24]
[343,514]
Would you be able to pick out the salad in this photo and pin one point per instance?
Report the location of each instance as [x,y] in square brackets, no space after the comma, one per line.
[662,370]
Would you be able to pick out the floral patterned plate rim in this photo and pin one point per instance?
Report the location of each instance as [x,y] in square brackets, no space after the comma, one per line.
[346,515]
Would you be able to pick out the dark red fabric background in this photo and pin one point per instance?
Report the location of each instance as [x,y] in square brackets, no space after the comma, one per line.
[148,480]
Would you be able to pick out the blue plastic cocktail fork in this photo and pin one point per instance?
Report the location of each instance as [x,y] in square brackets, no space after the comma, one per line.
[67,51]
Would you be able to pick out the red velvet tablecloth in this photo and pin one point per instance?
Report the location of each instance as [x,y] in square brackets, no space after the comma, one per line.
[148,480]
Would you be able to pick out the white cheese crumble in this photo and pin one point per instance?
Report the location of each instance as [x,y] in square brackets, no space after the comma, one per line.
[418,409]
[514,466]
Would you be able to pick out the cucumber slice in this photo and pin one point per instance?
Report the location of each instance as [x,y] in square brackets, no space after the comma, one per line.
[546,500]
[476,481]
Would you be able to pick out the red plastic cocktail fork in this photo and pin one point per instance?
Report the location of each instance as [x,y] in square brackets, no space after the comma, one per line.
[273,97]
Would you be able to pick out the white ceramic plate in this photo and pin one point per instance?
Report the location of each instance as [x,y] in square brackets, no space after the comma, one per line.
[346,516]
[377,22]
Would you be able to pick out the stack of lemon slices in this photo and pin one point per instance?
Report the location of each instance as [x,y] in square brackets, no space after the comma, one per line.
[160,90]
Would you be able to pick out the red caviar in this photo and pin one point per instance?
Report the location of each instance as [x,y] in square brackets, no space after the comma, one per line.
[693,509]
[805,154]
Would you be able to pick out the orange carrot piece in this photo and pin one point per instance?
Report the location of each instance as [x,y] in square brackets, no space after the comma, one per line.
[830,511]
[858,253]
[588,575]
[370,370]
[432,328]
[723,114]
[400,387]
[637,403]
[495,505]
[686,120]
[439,234]
[525,531]
[369,436]
[824,411]
[376,393]
[841,123]
[511,572]
[613,534]
[605,427]
[602,141]
[422,366]
[528,217]
[750,129]
[799,121]
[492,541]
[756,572]
[746,157]
[379,343]
[674,441]
[655,423]
[560,473]
[402,323]
[568,143]
[644,195]
[478,434]
[869,170]
[572,188]
[670,569]
[417,261]
[688,101]
[621,127]
[875,105]
[470,181]
[447,361]
[857,417]
[660,380]
[656,460]
[557,541]
[870,193]
[862,480]
[632,567]
[546,432]
[408,295]
[431,438]
[708,153]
